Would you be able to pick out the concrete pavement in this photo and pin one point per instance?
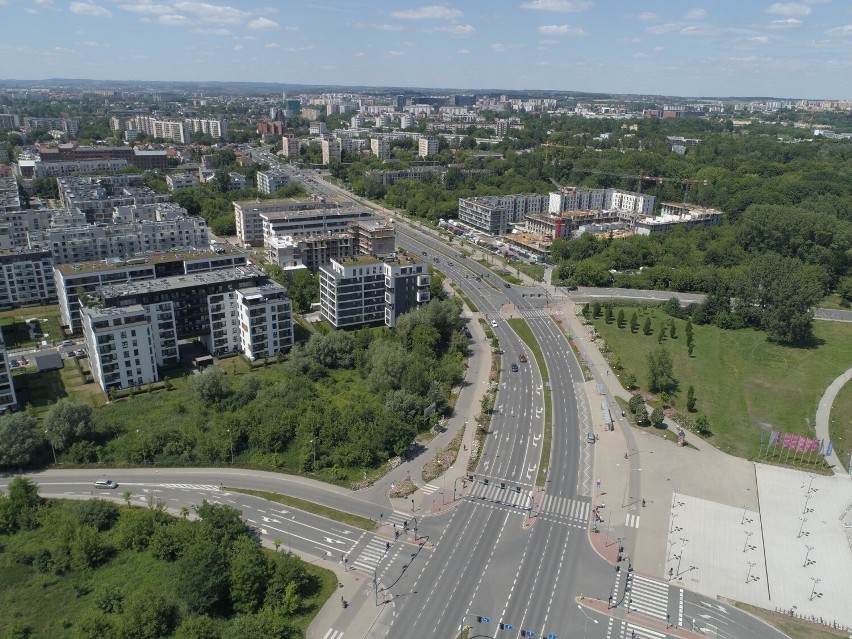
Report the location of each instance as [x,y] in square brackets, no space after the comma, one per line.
[823,415]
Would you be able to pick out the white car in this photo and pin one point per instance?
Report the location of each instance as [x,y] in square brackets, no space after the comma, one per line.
[494,323]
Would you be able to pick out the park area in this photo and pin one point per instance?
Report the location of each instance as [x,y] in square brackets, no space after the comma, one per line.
[743,383]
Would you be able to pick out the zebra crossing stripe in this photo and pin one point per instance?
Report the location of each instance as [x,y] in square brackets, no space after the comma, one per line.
[648,596]
[333,634]
[632,521]
[189,486]
[428,489]
[645,633]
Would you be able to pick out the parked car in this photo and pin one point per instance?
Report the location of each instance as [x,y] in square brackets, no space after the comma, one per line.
[590,437]
[14,363]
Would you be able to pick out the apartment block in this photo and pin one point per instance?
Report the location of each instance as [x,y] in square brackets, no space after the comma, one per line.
[427,147]
[98,196]
[86,278]
[7,386]
[291,146]
[26,278]
[380,147]
[317,128]
[29,165]
[10,199]
[331,150]
[365,290]
[495,213]
[675,214]
[178,181]
[574,198]
[272,179]
[308,221]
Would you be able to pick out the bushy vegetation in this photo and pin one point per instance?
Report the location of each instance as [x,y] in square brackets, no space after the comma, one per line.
[110,572]
[352,400]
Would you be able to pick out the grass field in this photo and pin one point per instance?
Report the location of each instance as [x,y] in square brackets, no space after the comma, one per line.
[743,383]
[16,333]
[841,424]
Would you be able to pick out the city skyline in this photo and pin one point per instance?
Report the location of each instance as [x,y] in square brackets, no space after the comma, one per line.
[779,49]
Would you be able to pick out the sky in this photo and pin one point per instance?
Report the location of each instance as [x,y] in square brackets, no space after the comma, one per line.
[712,48]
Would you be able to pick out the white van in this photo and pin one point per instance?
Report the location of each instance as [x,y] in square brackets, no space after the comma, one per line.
[106,483]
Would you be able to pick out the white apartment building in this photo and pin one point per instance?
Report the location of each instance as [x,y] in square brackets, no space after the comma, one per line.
[427,147]
[331,150]
[29,165]
[406,121]
[120,344]
[677,214]
[178,181]
[495,213]
[26,278]
[364,290]
[317,128]
[583,199]
[178,130]
[10,199]
[216,127]
[380,147]
[250,229]
[310,221]
[255,321]
[272,179]
[7,386]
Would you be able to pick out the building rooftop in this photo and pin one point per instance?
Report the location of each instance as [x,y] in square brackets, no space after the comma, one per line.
[178,282]
[290,202]
[145,259]
[96,312]
[329,212]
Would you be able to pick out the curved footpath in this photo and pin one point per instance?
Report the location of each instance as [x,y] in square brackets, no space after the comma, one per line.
[823,416]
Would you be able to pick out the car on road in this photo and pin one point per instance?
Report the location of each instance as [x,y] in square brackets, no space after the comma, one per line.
[507,285]
[106,483]
[570,288]
[80,352]
[522,358]
[494,323]
[67,342]
[514,367]
[450,264]
[590,437]
[436,260]
[424,252]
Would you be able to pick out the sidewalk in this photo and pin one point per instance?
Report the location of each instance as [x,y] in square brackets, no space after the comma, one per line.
[823,415]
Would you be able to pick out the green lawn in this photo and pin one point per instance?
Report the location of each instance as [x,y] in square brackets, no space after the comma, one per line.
[16,332]
[841,424]
[743,383]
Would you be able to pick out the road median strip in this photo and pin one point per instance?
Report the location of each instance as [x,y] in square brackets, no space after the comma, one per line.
[308,506]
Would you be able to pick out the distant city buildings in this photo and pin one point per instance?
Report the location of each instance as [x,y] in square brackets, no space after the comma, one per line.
[380,147]
[427,147]
[272,179]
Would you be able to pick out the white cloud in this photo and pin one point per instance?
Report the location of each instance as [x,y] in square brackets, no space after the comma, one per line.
[172,19]
[789,9]
[638,55]
[759,39]
[273,45]
[695,14]
[215,13]
[262,24]
[845,30]
[395,54]
[498,47]
[463,52]
[648,16]
[786,23]
[377,27]
[146,8]
[86,9]
[63,50]
[565,6]
[699,31]
[290,28]
[238,47]
[561,30]
[658,49]
[431,12]
[458,30]
[360,54]
[213,32]
[659,29]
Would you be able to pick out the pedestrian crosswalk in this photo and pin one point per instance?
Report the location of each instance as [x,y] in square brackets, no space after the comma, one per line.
[333,634]
[533,312]
[371,555]
[632,521]
[647,596]
[397,519]
[565,507]
[619,629]
[428,489]
[189,486]
[500,492]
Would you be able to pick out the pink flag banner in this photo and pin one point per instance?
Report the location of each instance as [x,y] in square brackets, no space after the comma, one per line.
[803,441]
[787,438]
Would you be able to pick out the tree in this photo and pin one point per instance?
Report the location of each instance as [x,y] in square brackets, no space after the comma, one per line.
[201,576]
[630,381]
[642,415]
[596,310]
[660,370]
[147,615]
[690,399]
[657,417]
[608,314]
[688,330]
[88,550]
[224,522]
[19,510]
[702,425]
[97,513]
[303,289]
[93,624]
[646,328]
[620,318]
[210,386]
[689,348]
[20,442]
[635,403]
[249,574]
[197,627]
[287,570]
[66,421]
[634,322]
[672,329]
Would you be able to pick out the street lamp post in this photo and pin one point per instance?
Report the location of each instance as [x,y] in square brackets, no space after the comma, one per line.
[314,448]
[231,437]
[748,535]
[814,593]
[751,565]
[680,557]
[586,625]
[807,554]
[803,520]
[52,447]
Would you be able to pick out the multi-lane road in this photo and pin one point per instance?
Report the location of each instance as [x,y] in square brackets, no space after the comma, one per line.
[491,556]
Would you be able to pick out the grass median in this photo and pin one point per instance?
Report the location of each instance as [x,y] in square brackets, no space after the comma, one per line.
[522,329]
[308,506]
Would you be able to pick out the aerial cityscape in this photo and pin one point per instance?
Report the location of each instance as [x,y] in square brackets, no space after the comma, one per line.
[401,320]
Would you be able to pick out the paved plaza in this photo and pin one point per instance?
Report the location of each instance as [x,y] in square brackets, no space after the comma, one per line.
[793,554]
